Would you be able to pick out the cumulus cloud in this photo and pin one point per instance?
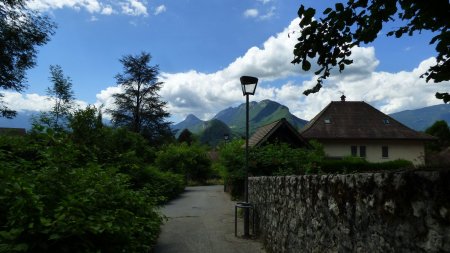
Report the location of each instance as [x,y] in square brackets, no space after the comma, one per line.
[389,92]
[160,9]
[32,102]
[134,8]
[92,6]
[204,94]
[251,13]
[107,10]
[104,7]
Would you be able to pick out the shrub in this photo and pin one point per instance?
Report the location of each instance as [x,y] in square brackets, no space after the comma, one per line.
[60,194]
[232,162]
[162,186]
[356,164]
[57,209]
[190,161]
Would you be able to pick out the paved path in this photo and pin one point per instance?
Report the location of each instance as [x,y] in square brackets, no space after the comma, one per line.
[201,220]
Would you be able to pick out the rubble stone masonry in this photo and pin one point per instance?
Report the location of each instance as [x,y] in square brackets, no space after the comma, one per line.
[405,211]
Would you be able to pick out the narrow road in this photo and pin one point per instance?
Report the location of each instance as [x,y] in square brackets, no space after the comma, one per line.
[201,220]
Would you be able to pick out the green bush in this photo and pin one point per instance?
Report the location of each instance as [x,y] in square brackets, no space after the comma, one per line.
[356,164]
[280,159]
[162,186]
[191,161]
[60,193]
[58,209]
[232,165]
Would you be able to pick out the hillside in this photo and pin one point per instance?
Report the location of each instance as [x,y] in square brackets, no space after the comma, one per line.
[261,113]
[192,123]
[422,118]
[213,132]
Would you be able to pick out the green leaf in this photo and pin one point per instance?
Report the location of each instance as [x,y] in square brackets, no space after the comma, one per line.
[327,10]
[339,7]
[54,236]
[306,65]
[22,247]
[319,71]
[347,61]
[309,13]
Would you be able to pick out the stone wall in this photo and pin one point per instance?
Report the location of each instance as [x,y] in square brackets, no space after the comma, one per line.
[368,212]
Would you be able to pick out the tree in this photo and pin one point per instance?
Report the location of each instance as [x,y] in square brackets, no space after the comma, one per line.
[86,125]
[440,130]
[62,95]
[139,107]
[332,37]
[186,136]
[21,31]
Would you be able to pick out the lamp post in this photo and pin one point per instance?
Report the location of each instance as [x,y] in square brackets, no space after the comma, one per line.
[248,84]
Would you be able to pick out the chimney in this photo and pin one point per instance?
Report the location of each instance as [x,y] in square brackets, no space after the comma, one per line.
[343,98]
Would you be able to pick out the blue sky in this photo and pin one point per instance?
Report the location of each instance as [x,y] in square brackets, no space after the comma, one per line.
[202,48]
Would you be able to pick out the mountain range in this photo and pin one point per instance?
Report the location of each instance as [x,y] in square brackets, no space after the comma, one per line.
[231,120]
[421,119]
[267,111]
[261,113]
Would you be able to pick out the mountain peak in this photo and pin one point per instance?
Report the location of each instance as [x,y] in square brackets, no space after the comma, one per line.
[190,121]
[191,117]
[261,113]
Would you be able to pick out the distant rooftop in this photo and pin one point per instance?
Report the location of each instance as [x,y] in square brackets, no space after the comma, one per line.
[281,131]
[12,131]
[357,120]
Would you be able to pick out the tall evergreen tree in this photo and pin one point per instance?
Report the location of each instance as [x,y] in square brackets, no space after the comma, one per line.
[21,31]
[139,107]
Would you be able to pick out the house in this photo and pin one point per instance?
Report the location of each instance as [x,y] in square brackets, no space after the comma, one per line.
[278,131]
[355,128]
[9,131]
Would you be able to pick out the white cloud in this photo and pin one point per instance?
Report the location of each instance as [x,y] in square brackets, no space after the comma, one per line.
[269,14]
[92,6]
[107,10]
[251,13]
[204,94]
[105,97]
[32,102]
[134,8]
[160,9]
[104,7]
[264,1]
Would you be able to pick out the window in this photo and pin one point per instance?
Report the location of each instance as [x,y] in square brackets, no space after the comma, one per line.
[327,121]
[354,150]
[362,151]
[386,121]
[384,151]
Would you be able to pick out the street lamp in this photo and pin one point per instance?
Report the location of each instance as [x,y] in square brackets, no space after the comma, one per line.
[226,137]
[248,84]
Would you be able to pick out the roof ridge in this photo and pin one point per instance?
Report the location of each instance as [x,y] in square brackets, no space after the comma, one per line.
[358,119]
[313,120]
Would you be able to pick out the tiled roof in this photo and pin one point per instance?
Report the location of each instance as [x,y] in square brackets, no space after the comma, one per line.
[357,120]
[264,132]
[12,131]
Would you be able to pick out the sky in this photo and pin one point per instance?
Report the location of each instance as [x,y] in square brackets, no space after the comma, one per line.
[202,47]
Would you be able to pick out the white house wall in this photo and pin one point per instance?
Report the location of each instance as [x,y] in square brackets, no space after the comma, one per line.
[408,150]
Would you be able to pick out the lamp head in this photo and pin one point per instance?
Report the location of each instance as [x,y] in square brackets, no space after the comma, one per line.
[248,84]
